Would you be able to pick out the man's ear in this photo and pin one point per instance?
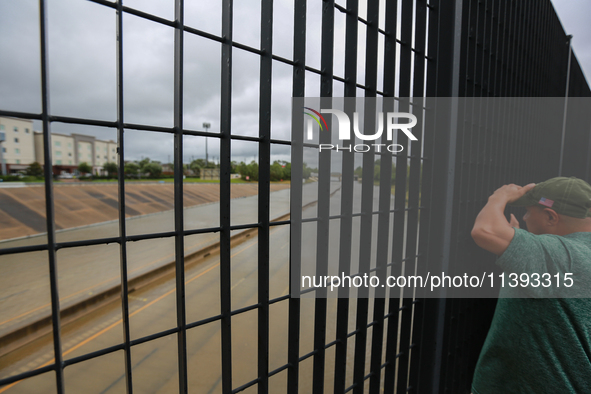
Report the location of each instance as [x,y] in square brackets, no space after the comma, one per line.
[551,216]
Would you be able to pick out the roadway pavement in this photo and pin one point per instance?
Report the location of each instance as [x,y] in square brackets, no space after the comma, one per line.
[153,309]
[85,271]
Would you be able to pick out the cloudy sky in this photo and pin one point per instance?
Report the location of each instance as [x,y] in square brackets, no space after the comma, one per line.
[82,67]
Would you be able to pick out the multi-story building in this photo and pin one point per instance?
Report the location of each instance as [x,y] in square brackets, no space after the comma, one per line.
[105,152]
[68,151]
[23,146]
[18,148]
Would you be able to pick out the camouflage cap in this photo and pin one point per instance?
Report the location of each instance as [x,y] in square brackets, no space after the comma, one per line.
[566,196]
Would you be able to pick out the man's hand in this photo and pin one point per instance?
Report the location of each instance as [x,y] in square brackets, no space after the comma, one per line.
[491,230]
[514,222]
[510,193]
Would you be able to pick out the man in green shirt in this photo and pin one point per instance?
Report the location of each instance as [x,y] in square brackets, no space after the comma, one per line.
[537,344]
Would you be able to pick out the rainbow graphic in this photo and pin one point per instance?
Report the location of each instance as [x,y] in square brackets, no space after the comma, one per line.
[316,119]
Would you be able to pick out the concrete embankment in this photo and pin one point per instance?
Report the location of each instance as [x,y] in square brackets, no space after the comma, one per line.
[22,209]
[89,277]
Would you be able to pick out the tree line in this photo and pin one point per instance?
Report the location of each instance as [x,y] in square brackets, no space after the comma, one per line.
[280,170]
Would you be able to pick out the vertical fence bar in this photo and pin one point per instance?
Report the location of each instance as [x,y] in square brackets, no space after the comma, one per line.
[264,193]
[49,209]
[225,167]
[418,88]
[365,241]
[297,138]
[347,186]
[121,202]
[400,226]
[179,241]
[416,164]
[384,199]
[443,154]
[467,164]
[423,374]
[323,223]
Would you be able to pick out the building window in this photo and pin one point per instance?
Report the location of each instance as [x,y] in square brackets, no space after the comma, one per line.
[58,153]
[1,127]
[57,143]
[70,161]
[58,162]
[4,150]
[70,154]
[16,140]
[105,157]
[17,151]
[113,157]
[98,156]
[27,131]
[18,161]
[88,147]
[69,144]
[15,129]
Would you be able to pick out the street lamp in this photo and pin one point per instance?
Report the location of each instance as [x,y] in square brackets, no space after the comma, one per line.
[206,126]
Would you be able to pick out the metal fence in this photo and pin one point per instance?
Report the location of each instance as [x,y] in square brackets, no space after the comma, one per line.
[487,48]
[507,49]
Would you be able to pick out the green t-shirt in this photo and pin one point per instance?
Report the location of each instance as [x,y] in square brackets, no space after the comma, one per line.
[539,345]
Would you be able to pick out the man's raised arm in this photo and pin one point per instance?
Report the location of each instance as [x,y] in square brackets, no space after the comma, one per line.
[491,230]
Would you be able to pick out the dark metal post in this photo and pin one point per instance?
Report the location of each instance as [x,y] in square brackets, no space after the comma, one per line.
[298,83]
[347,185]
[49,212]
[121,202]
[225,167]
[178,196]
[264,193]
[323,223]
[441,210]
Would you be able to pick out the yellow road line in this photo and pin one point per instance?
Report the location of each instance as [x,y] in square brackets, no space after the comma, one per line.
[104,330]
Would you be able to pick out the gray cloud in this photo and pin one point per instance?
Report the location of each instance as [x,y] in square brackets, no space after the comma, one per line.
[574,16]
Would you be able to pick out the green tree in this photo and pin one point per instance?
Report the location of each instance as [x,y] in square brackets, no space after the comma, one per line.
[111,169]
[153,168]
[248,170]
[196,166]
[84,168]
[276,171]
[286,171]
[35,169]
[358,171]
[307,171]
[143,163]
[131,168]
[376,172]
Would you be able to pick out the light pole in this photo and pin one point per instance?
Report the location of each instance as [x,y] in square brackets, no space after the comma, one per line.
[206,126]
